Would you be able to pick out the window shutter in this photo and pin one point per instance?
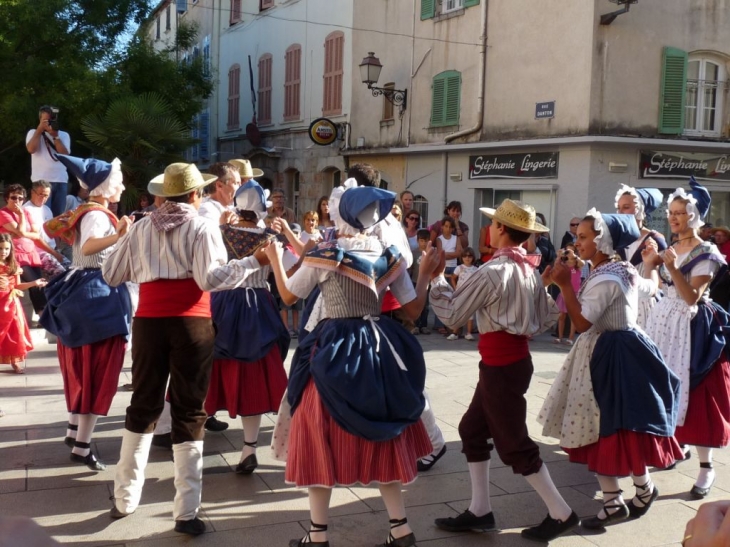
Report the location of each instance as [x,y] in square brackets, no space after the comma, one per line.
[470,3]
[204,135]
[265,4]
[453,98]
[674,82]
[333,73]
[439,99]
[428,9]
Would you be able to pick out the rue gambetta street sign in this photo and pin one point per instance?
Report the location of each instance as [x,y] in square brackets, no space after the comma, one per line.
[536,165]
[675,165]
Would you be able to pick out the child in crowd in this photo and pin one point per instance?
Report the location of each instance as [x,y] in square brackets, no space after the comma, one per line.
[309,225]
[421,324]
[463,272]
[572,260]
[15,341]
[451,246]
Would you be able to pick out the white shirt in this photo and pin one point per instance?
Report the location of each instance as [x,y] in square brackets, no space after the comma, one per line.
[502,297]
[40,215]
[212,209]
[72,202]
[193,250]
[42,164]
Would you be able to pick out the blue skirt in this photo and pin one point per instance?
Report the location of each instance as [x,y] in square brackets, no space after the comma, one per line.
[83,309]
[248,324]
[708,328]
[634,388]
[358,377]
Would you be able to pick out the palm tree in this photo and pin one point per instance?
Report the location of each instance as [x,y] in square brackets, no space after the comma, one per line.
[144,133]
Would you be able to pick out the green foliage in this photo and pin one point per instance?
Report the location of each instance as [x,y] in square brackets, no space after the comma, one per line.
[142,131]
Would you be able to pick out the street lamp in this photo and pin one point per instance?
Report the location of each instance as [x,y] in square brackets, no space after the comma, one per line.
[370,72]
[608,18]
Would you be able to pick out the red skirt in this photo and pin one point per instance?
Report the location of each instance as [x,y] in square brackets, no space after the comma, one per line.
[321,453]
[627,452]
[708,413]
[91,374]
[247,389]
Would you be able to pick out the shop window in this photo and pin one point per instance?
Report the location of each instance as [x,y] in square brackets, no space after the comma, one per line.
[334,47]
[234,90]
[264,91]
[292,82]
[445,100]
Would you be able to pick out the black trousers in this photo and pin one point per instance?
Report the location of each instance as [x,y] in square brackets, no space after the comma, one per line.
[498,411]
[180,348]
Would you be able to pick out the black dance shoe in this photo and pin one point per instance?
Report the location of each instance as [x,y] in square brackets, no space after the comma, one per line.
[647,499]
[193,527]
[467,522]
[89,461]
[426,463]
[551,528]
[215,425]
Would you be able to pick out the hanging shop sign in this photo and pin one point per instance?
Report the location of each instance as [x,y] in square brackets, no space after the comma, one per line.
[681,165]
[537,165]
[322,131]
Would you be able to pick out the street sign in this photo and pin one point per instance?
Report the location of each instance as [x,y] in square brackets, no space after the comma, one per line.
[544,110]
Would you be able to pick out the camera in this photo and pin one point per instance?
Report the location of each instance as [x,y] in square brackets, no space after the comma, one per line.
[53,118]
[564,256]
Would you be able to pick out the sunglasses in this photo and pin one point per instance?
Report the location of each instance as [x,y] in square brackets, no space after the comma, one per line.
[16,198]
[575,223]
[413,218]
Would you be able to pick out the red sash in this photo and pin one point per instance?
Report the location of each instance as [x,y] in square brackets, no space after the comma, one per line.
[500,348]
[173,298]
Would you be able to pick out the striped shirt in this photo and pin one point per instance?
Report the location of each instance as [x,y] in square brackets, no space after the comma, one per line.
[192,250]
[500,295]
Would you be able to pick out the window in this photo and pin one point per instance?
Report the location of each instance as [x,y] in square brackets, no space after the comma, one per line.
[204,135]
[266,4]
[194,151]
[706,85]
[387,105]
[235,11]
[451,5]
[234,89]
[168,22]
[157,30]
[334,46]
[430,8]
[264,92]
[292,82]
[446,98]
[420,204]
[291,181]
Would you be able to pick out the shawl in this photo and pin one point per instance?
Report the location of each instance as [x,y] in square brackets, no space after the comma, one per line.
[64,225]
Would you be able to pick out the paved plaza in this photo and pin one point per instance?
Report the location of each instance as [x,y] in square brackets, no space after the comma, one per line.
[72,503]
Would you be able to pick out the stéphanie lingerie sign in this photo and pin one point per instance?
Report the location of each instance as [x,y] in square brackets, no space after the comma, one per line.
[536,165]
[676,165]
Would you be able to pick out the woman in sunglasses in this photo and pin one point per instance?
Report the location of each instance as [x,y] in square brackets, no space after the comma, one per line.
[412,224]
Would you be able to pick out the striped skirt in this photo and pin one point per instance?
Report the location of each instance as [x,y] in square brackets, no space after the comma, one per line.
[323,454]
[247,389]
[708,411]
[91,374]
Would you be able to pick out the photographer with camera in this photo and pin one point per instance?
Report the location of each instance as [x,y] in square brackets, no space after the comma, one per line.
[43,143]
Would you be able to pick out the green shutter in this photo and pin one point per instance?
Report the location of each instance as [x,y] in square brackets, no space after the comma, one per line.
[437,103]
[453,98]
[428,9]
[470,3]
[674,84]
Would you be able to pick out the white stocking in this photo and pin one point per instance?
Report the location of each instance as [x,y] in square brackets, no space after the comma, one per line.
[87,422]
[479,475]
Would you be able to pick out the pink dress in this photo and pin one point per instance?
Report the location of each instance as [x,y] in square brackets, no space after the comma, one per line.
[575,281]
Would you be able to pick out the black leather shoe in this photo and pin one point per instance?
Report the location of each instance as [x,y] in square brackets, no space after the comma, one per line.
[405,541]
[551,528]
[193,527]
[214,424]
[635,511]
[248,465]
[69,441]
[162,441]
[701,493]
[467,522]
[424,464]
[595,523]
[117,514]
[89,461]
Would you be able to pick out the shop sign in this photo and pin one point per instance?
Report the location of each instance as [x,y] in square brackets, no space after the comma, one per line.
[536,165]
[681,165]
[322,131]
[545,110]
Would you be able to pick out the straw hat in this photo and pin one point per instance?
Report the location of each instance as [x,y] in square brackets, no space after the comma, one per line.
[723,229]
[517,215]
[245,169]
[178,179]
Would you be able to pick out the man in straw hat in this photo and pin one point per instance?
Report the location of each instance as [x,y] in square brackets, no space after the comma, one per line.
[175,256]
[511,304]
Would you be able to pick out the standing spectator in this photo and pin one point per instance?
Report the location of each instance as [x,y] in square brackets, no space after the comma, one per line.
[309,230]
[407,198]
[721,234]
[453,210]
[44,143]
[706,232]
[18,222]
[720,288]
[279,209]
[218,206]
[461,274]
[412,224]
[486,251]
[397,211]
[545,246]
[323,211]
[144,202]
[570,235]
[74,200]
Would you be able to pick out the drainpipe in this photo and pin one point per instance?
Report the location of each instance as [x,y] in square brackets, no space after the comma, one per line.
[482,78]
